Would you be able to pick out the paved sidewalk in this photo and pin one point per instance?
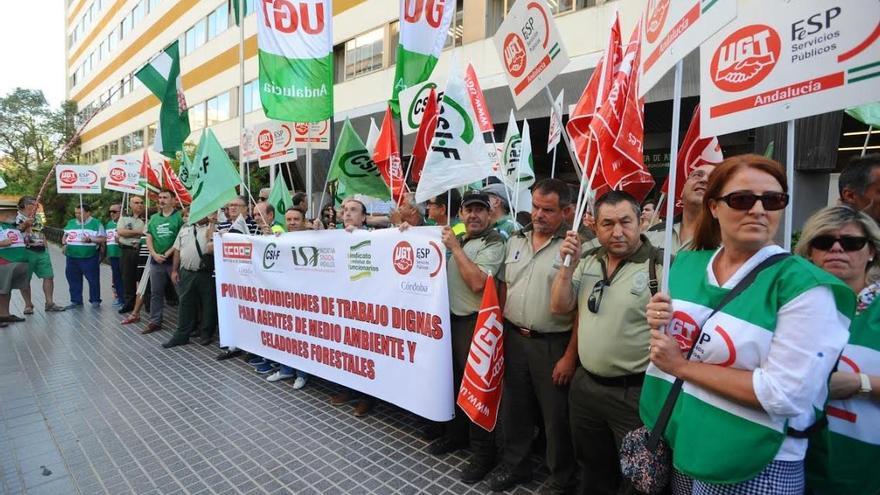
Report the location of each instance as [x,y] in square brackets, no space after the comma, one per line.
[90,406]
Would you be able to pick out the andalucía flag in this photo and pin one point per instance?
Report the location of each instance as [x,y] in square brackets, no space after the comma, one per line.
[424,26]
[295,48]
[162,77]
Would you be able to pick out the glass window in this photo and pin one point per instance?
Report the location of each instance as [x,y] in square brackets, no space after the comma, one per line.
[137,139]
[363,54]
[197,116]
[584,4]
[218,21]
[455,29]
[249,7]
[211,110]
[123,87]
[102,50]
[137,13]
[125,26]
[252,96]
[112,40]
[151,135]
[126,144]
[114,147]
[105,152]
[195,36]
[152,5]
[223,110]
[393,41]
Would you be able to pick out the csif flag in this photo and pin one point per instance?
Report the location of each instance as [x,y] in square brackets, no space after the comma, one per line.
[458,153]
[480,393]
[215,178]
[386,156]
[372,137]
[868,114]
[424,136]
[162,77]
[279,197]
[295,52]
[424,27]
[353,170]
[185,171]
[694,152]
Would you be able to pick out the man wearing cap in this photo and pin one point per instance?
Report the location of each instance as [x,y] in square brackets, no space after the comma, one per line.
[540,352]
[500,211]
[475,255]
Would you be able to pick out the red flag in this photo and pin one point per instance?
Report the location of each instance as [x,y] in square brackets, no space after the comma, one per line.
[148,174]
[424,136]
[596,91]
[694,152]
[387,156]
[173,183]
[478,100]
[480,392]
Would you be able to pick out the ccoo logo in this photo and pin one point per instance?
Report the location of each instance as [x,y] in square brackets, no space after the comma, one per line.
[514,55]
[745,58]
[403,257]
[237,251]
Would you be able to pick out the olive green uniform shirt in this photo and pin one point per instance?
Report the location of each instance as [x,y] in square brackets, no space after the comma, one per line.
[487,251]
[614,341]
[529,275]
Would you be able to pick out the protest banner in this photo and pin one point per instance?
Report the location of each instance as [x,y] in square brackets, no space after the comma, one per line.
[367,310]
[124,175]
[530,49]
[414,101]
[674,28]
[276,142]
[78,179]
[782,61]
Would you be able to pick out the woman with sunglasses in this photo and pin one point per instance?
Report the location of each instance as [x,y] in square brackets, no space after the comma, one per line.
[761,363]
[845,243]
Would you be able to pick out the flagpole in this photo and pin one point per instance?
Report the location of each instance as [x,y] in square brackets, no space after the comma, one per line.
[82,225]
[657,209]
[789,173]
[867,138]
[519,166]
[553,166]
[405,177]
[241,93]
[271,175]
[309,170]
[673,173]
[448,208]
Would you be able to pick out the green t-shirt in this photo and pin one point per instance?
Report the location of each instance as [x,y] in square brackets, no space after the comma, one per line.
[113,249]
[16,251]
[163,230]
[74,233]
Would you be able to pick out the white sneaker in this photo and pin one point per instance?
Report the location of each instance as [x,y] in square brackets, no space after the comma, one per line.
[300,382]
[278,375]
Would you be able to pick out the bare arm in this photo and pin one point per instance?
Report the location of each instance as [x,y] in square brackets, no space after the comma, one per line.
[562,296]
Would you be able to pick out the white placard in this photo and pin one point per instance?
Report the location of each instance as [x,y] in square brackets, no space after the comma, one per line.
[414,99]
[674,28]
[367,310]
[78,179]
[530,49]
[124,175]
[782,60]
[276,142]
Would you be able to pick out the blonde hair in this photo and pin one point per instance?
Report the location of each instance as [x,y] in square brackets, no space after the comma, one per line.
[832,218]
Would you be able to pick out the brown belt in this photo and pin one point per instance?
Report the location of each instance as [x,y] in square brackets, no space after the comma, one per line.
[531,333]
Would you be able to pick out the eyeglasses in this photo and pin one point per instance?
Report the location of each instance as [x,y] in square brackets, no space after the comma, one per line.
[847,242]
[744,201]
[596,296]
[235,205]
[114,211]
[263,199]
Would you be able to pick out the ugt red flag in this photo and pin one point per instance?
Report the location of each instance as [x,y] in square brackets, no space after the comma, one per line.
[694,152]
[480,392]
[424,136]
[387,156]
[174,184]
[149,180]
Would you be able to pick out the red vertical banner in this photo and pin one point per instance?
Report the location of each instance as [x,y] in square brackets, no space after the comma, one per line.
[424,136]
[387,157]
[480,393]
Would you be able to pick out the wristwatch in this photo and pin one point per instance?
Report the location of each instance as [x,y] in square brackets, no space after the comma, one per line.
[865,386]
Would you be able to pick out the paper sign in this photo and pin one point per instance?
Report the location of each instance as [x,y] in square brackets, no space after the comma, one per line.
[530,49]
[276,142]
[78,179]
[674,28]
[782,60]
[124,175]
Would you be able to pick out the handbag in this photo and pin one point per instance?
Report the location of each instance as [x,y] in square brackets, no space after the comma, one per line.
[645,458]
[207,260]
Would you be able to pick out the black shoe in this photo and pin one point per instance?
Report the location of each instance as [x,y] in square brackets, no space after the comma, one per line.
[446,445]
[11,318]
[174,343]
[432,431]
[475,470]
[223,356]
[206,340]
[503,478]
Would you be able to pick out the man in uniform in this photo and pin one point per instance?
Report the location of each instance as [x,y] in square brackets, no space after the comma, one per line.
[161,233]
[442,213]
[540,352]
[475,255]
[609,287]
[692,204]
[130,233]
[500,215]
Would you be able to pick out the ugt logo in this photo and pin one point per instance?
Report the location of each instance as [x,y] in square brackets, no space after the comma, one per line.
[433,10]
[745,58]
[304,255]
[403,257]
[270,255]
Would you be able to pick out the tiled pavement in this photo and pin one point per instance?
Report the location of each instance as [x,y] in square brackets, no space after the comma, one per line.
[89,406]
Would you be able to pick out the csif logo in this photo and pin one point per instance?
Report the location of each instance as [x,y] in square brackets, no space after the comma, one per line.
[443,134]
[658,9]
[288,16]
[237,251]
[514,55]
[357,163]
[745,58]
[432,9]
[117,174]
[304,255]
[403,257]
[420,103]
[270,255]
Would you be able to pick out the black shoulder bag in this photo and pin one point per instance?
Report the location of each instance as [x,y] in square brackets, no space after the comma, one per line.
[207,261]
[645,458]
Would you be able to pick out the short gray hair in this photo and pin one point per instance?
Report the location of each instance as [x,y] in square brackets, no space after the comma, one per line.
[831,218]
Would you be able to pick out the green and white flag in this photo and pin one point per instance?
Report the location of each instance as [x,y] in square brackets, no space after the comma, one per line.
[353,169]
[295,49]
[279,197]
[162,77]
[424,27]
[185,174]
[868,114]
[372,137]
[458,153]
[214,178]
[517,171]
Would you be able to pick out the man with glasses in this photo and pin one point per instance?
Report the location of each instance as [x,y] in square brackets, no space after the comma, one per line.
[39,263]
[539,350]
[692,203]
[130,236]
[114,253]
[237,219]
[609,287]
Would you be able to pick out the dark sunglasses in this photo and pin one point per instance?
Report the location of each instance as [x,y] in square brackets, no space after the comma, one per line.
[596,296]
[847,242]
[114,211]
[744,201]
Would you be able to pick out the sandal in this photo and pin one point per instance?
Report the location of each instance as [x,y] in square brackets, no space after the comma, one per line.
[132,318]
[55,308]
[28,310]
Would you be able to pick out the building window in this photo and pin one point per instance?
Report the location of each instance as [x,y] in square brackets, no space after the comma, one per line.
[126,144]
[195,37]
[151,134]
[114,147]
[153,4]
[496,10]
[112,39]
[217,109]
[455,29]
[137,140]
[102,50]
[137,14]
[218,21]
[197,116]
[363,54]
[249,7]
[252,96]
[125,26]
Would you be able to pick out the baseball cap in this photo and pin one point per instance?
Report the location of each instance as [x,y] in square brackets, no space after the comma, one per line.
[497,189]
[472,197]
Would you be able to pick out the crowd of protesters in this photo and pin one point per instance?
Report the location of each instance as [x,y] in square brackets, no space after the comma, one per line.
[591,345]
